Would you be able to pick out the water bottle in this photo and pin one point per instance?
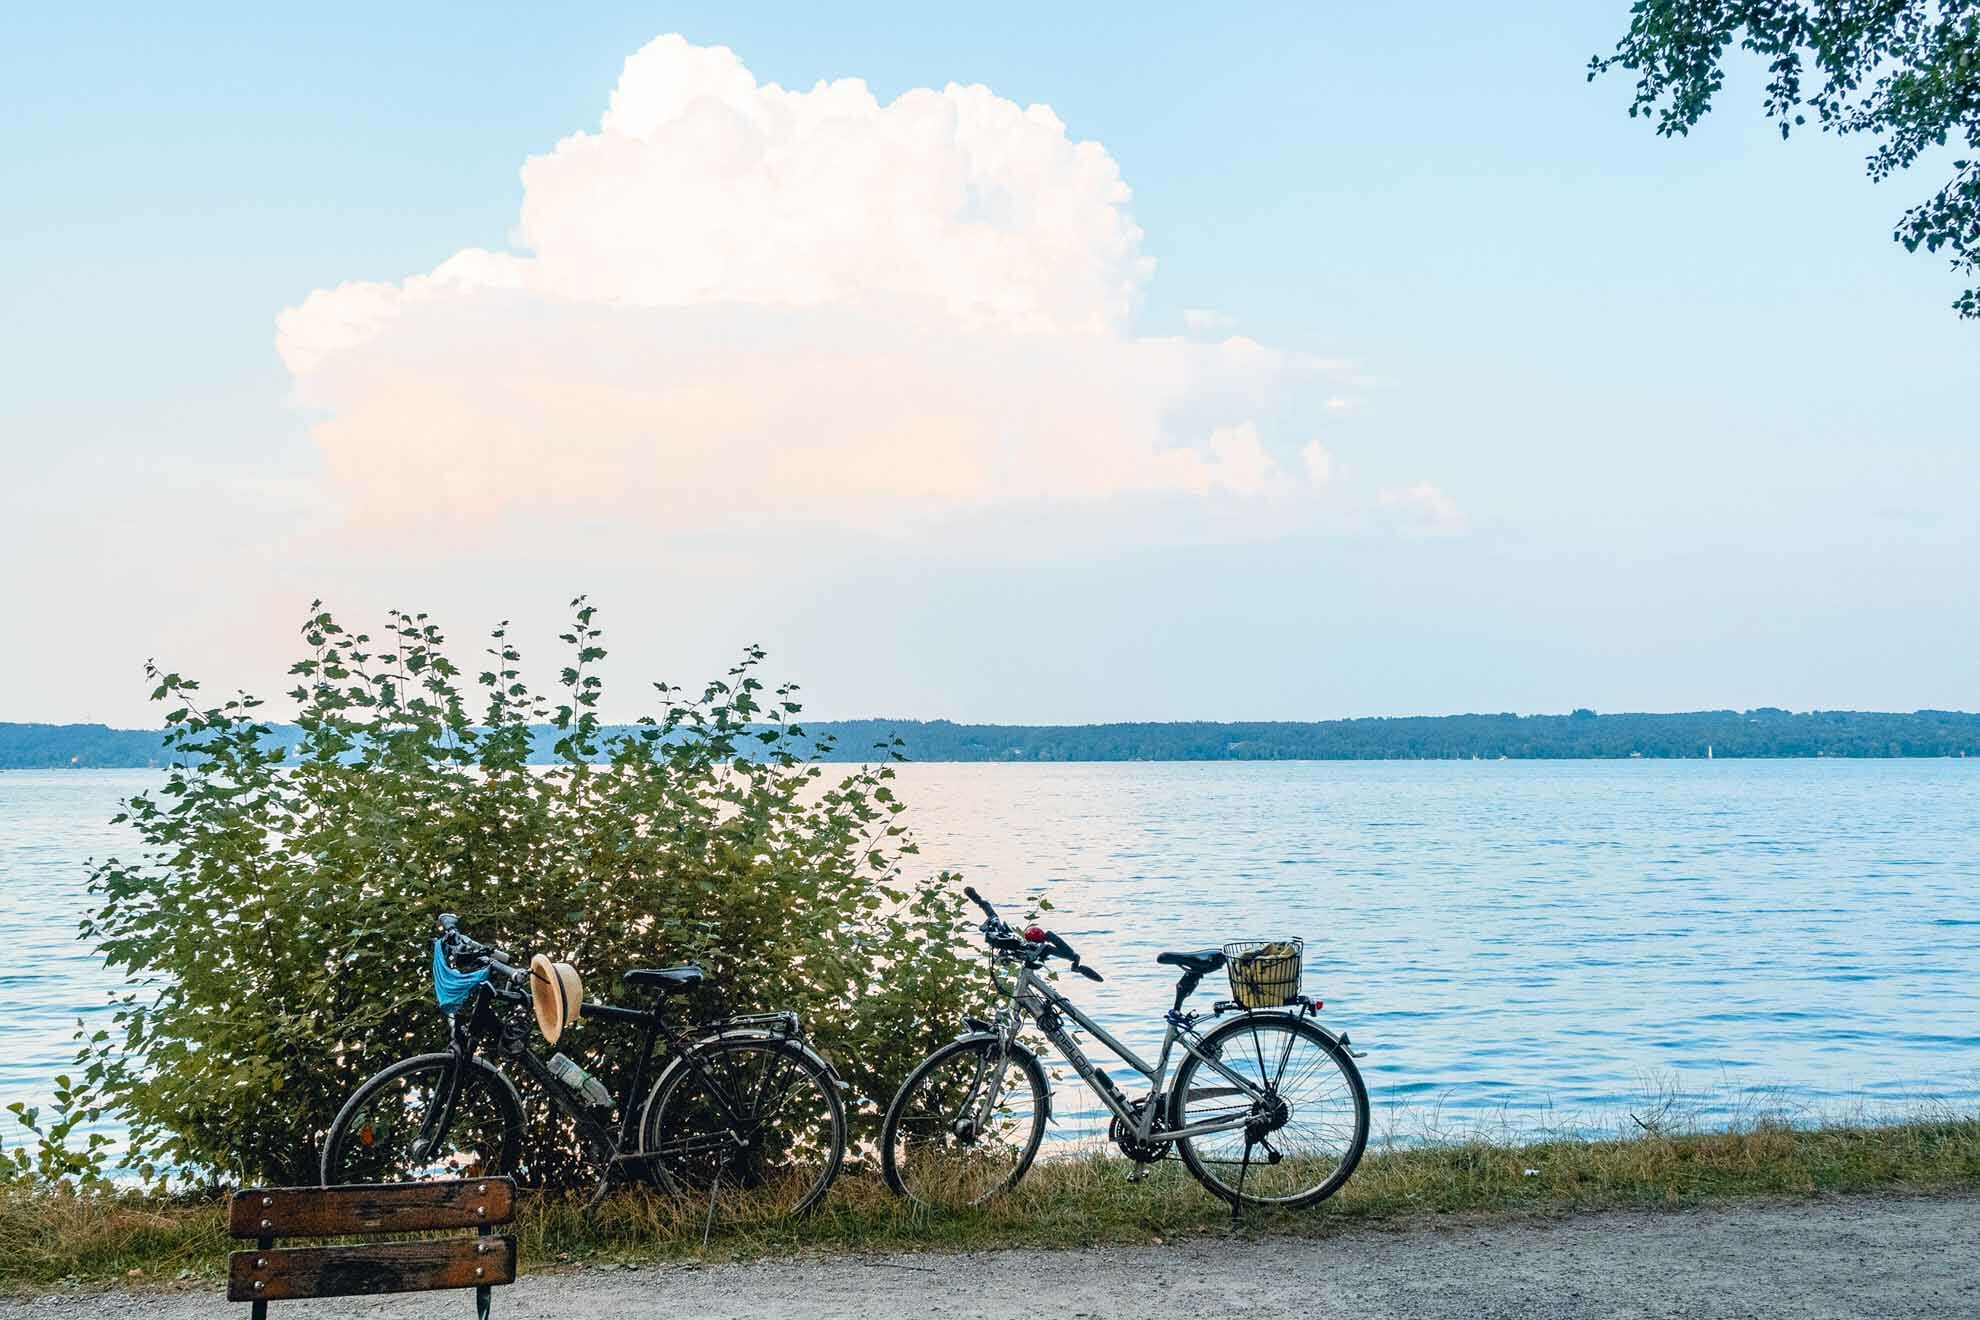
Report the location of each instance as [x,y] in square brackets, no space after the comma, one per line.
[590,1088]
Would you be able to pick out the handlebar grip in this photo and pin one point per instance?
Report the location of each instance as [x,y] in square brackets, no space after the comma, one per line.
[1071,955]
[969,892]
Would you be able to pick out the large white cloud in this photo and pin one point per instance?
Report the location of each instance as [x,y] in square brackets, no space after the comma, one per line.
[733,298]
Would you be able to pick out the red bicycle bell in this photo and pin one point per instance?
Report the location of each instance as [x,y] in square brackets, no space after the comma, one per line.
[1036,934]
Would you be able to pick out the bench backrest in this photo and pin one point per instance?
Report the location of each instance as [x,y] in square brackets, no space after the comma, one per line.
[274,1274]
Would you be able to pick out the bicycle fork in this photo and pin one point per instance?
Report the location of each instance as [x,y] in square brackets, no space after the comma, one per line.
[440,1114]
[998,1064]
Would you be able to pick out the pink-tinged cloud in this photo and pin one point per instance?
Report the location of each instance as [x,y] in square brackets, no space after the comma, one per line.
[734,299]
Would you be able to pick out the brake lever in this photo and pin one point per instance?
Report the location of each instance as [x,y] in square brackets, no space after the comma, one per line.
[1071,955]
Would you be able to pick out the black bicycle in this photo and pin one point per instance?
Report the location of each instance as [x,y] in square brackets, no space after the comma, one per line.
[741,1105]
[1265,1107]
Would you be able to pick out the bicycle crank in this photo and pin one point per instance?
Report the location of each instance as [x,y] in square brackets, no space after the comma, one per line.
[1124,1136]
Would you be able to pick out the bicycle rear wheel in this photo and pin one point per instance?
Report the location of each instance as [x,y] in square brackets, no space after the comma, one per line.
[391,1131]
[941,1148]
[1305,1106]
[760,1125]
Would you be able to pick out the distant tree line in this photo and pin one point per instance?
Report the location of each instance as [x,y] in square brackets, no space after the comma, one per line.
[1765,732]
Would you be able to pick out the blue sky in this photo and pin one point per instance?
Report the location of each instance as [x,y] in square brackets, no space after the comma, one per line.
[1696,432]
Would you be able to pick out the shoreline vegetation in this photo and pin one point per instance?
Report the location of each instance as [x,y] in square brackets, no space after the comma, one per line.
[716,838]
[59,1236]
[1767,732]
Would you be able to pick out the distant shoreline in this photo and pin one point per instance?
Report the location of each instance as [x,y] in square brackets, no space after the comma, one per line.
[1765,733]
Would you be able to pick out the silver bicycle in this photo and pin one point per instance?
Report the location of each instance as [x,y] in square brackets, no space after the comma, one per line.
[1266,1107]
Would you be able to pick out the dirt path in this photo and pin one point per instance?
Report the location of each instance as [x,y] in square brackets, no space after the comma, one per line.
[1858,1258]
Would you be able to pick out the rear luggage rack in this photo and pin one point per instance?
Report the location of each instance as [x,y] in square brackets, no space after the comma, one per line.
[784,1025]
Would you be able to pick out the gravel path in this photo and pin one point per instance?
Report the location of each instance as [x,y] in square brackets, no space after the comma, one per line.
[1856,1258]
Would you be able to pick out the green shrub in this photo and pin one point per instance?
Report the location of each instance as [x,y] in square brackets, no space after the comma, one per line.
[275,928]
[55,1163]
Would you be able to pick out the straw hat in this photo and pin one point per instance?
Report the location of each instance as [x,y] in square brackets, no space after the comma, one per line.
[556,991]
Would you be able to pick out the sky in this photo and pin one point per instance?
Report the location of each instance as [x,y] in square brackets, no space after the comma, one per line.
[1286,362]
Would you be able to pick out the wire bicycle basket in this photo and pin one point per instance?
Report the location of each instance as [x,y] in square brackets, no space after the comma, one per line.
[1265,973]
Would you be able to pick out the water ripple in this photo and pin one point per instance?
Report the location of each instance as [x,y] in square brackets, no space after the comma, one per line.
[1515,943]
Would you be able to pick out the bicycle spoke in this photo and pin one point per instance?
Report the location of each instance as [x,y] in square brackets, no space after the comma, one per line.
[942,1148]
[775,1156]
[1304,1127]
[392,1130]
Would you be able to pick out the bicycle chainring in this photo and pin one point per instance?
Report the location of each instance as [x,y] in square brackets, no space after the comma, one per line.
[1123,1136]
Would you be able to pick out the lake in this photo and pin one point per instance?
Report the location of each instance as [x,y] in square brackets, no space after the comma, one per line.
[1522,946]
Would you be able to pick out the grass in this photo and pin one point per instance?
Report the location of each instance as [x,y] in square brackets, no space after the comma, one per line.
[58,1237]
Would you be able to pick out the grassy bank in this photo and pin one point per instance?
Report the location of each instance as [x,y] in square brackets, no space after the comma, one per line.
[51,1237]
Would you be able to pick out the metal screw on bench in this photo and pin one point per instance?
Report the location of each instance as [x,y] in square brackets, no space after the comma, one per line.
[259,1311]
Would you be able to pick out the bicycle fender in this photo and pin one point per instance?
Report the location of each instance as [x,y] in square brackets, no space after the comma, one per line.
[1025,1055]
[1337,1038]
[676,1062]
[804,1047]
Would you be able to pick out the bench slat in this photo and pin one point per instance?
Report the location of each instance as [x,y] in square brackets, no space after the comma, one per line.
[285,1273]
[261,1212]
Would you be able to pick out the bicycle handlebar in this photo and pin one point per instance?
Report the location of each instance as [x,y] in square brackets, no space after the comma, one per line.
[460,942]
[1002,936]
[1071,955]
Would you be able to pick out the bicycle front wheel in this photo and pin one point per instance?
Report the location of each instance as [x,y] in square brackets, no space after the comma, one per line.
[1298,1107]
[965,1125]
[758,1123]
[418,1121]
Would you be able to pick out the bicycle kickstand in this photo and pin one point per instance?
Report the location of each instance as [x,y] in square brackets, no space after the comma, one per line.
[713,1188]
[604,1185]
[1237,1202]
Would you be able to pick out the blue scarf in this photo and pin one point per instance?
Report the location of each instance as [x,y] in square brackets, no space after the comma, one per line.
[450,987]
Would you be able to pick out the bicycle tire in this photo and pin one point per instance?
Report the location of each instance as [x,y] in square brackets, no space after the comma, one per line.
[1191,1149]
[898,1114]
[351,1154]
[666,1137]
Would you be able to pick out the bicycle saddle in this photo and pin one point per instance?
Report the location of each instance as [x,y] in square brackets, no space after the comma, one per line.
[667,980]
[1193,960]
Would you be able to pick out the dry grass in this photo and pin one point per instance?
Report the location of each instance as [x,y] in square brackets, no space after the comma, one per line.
[50,1237]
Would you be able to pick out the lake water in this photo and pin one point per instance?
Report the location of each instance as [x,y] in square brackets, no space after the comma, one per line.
[1518,944]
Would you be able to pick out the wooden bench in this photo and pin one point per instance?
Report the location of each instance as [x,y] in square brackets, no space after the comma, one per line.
[279,1274]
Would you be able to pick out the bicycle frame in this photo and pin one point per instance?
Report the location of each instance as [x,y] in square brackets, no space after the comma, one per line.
[1033,997]
[485,1023]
